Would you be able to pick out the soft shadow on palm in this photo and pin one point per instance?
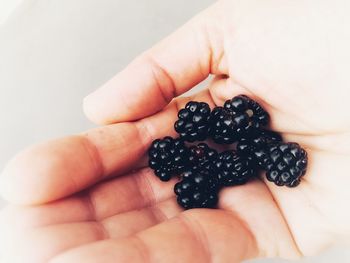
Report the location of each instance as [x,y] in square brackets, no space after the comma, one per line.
[283,222]
[135,202]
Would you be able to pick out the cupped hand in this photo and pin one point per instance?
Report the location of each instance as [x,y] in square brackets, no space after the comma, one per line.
[91,198]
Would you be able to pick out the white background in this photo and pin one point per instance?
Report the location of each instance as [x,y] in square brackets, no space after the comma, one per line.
[6,8]
[54,52]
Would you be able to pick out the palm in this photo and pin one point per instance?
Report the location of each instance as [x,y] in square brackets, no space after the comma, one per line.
[107,213]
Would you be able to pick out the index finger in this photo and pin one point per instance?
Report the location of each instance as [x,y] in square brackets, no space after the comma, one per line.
[154,78]
[59,168]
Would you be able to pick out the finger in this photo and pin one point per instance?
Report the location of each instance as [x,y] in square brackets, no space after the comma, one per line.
[195,236]
[77,162]
[129,193]
[62,167]
[165,71]
[40,244]
[128,223]
[133,191]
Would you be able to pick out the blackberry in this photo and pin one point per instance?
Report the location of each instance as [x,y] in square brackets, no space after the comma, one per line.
[192,124]
[255,146]
[238,118]
[197,189]
[223,125]
[285,164]
[168,157]
[233,169]
[242,104]
[203,156]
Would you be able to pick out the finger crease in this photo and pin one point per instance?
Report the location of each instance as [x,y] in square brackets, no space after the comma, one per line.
[205,48]
[102,231]
[196,230]
[95,157]
[91,204]
[145,136]
[161,76]
[142,248]
[157,214]
[144,188]
[178,103]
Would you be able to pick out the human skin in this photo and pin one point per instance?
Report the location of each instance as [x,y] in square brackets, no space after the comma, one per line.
[91,198]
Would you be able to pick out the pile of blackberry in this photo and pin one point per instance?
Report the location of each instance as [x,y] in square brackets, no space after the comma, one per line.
[242,125]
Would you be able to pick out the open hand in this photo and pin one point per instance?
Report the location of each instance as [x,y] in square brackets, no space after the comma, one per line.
[91,197]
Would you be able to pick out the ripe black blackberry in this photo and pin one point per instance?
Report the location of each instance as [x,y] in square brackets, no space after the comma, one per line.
[223,125]
[192,124]
[242,104]
[233,169]
[285,164]
[255,146]
[202,155]
[168,157]
[197,189]
[238,118]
